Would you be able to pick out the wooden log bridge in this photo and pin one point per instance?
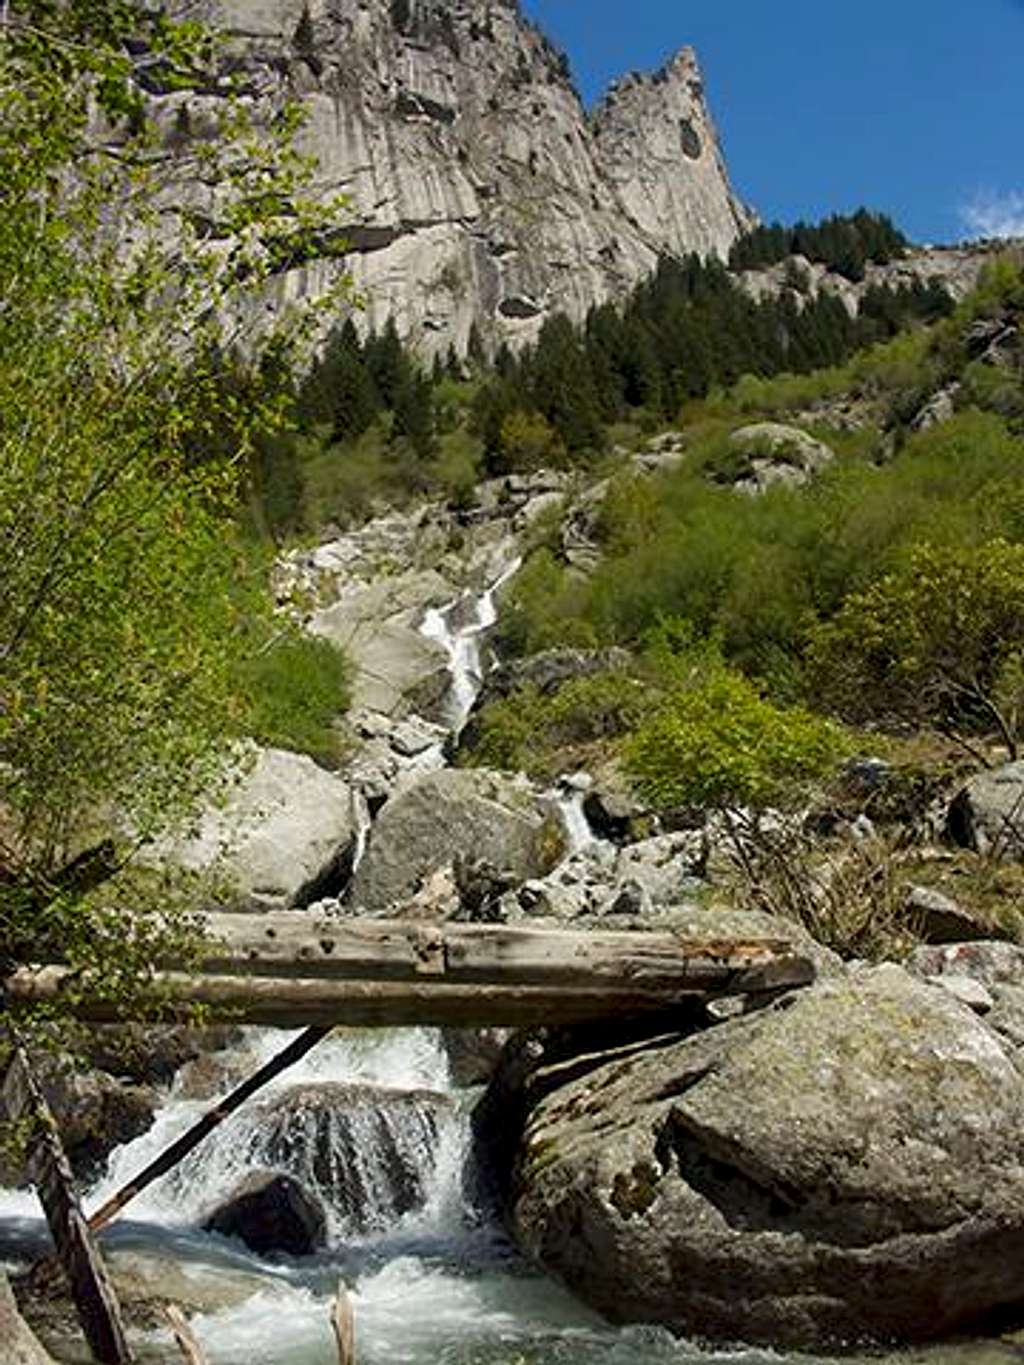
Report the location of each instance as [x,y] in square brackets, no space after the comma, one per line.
[294,968]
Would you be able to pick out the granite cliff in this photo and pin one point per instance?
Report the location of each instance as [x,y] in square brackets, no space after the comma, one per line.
[480,189]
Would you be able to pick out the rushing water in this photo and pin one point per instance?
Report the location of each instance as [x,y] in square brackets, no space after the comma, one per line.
[460,628]
[439,1286]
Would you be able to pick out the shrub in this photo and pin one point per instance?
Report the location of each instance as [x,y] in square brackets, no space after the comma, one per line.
[295,691]
[719,744]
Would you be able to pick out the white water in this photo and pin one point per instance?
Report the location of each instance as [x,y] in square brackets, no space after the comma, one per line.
[435,1288]
[460,627]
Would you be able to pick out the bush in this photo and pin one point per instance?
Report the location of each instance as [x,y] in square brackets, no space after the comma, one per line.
[719,744]
[295,690]
[537,732]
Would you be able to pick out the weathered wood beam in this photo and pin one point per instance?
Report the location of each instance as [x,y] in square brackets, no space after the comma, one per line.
[312,946]
[296,968]
[96,1305]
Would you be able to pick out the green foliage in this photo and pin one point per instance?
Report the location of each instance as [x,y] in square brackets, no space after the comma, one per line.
[296,687]
[126,604]
[540,609]
[718,743]
[939,641]
[843,243]
[541,733]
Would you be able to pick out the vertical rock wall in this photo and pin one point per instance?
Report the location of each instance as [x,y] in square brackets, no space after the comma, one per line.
[480,190]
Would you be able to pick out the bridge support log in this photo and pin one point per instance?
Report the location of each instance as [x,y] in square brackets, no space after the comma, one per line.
[296,968]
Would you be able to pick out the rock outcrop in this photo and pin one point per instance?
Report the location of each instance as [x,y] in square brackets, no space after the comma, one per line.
[845,1165]
[285,836]
[479,189]
[441,815]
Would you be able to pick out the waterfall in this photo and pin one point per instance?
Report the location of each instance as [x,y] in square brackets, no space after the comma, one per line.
[460,627]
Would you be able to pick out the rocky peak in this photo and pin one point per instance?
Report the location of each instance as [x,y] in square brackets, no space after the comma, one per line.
[480,191]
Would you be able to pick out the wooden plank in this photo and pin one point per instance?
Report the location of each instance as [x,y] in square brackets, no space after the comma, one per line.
[96,1304]
[296,1001]
[343,1320]
[298,943]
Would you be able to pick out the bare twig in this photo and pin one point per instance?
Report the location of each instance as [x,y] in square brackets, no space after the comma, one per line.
[343,1320]
[188,1344]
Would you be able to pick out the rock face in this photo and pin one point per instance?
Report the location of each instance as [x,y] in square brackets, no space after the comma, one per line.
[844,1165]
[442,815]
[479,189]
[285,836]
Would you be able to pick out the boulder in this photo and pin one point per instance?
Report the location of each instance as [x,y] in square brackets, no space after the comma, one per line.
[770,452]
[365,1153]
[397,669]
[153,1054]
[844,1165]
[284,837]
[473,1054]
[271,1212]
[455,813]
[987,814]
[994,968]
[937,918]
[18,1345]
[94,1112]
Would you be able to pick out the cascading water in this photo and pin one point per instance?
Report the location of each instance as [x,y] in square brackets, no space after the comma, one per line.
[459,628]
[369,1126]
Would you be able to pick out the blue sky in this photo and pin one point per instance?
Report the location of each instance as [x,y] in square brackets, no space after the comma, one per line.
[913,108]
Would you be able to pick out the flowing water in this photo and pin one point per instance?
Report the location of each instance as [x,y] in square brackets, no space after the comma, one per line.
[437,1285]
[433,1279]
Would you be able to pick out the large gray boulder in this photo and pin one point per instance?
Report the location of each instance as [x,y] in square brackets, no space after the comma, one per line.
[848,1164]
[18,1345]
[284,837]
[454,813]
[987,815]
[397,669]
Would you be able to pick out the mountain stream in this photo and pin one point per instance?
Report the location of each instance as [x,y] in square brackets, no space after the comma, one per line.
[433,1280]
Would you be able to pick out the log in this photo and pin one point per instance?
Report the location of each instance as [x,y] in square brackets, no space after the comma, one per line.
[295,968]
[343,1320]
[301,944]
[188,1343]
[293,1002]
[96,1304]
